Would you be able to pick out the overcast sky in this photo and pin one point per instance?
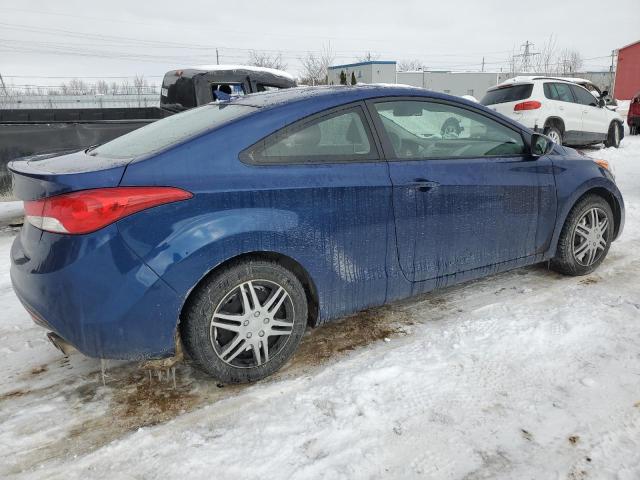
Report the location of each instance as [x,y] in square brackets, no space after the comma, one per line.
[40,40]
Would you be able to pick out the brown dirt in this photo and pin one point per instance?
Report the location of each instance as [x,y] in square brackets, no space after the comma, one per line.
[38,370]
[345,335]
[12,394]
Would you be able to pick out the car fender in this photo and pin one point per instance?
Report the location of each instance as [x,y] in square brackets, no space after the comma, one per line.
[566,203]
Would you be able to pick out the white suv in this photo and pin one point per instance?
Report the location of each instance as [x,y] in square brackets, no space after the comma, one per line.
[560,108]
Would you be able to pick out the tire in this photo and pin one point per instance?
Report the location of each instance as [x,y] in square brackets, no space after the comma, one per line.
[231,346]
[553,133]
[614,136]
[578,238]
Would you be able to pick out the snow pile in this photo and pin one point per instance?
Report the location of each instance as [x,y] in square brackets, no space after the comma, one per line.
[10,211]
[246,68]
[526,374]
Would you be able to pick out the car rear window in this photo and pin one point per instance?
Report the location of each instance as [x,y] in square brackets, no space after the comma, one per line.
[171,130]
[512,93]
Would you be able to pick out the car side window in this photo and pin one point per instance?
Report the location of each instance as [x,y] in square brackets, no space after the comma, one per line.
[337,137]
[583,96]
[558,91]
[424,130]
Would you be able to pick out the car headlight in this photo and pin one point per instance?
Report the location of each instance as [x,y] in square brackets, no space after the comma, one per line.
[606,165]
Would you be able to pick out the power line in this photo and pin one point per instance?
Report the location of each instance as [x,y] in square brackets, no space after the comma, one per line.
[526,55]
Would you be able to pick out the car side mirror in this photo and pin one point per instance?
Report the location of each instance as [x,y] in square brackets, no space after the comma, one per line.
[540,145]
[601,102]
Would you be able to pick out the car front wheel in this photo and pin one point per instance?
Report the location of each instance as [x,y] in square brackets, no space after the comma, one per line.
[585,237]
[246,321]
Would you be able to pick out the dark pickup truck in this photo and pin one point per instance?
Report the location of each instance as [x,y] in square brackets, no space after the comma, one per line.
[29,132]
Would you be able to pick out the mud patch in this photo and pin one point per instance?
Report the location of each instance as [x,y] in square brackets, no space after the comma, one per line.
[439,302]
[589,280]
[12,394]
[38,370]
[526,434]
[143,402]
[348,334]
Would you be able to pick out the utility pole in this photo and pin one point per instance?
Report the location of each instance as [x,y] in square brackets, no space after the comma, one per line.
[612,73]
[483,64]
[217,57]
[4,87]
[526,55]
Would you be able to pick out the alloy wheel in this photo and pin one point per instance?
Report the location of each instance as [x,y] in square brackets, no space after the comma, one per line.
[555,136]
[252,323]
[590,237]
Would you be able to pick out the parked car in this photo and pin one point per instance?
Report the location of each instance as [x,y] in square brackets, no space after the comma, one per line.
[230,228]
[633,117]
[564,110]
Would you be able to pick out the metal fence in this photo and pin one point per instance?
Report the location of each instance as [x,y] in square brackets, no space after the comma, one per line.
[79,101]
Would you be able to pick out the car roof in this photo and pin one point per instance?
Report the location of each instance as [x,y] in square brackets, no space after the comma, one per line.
[532,78]
[343,92]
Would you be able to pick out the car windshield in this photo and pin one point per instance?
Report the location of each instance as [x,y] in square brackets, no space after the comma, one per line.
[511,93]
[171,130]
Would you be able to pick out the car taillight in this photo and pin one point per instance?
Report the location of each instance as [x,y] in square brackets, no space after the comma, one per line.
[86,211]
[528,105]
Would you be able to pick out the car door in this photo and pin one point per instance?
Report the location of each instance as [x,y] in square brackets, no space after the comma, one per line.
[565,107]
[466,194]
[594,118]
[334,183]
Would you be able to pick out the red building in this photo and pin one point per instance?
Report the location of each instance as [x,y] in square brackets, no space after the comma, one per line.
[628,72]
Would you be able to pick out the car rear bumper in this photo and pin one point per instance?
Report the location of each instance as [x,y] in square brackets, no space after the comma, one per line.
[95,293]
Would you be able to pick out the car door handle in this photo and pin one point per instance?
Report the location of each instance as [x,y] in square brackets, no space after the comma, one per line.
[423,185]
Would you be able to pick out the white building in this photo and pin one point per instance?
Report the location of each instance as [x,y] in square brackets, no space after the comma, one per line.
[375,71]
[453,83]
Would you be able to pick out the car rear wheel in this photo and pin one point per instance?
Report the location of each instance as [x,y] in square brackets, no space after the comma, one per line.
[585,238]
[613,137]
[554,134]
[246,321]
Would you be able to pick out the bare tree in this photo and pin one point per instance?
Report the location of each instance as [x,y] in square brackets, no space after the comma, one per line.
[368,57]
[569,61]
[74,86]
[114,88]
[102,87]
[411,65]
[315,66]
[140,84]
[125,87]
[545,61]
[265,59]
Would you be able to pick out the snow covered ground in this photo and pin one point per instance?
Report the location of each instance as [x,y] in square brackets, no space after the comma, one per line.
[10,211]
[526,375]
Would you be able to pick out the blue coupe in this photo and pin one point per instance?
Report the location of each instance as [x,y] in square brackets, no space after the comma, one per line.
[230,228]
